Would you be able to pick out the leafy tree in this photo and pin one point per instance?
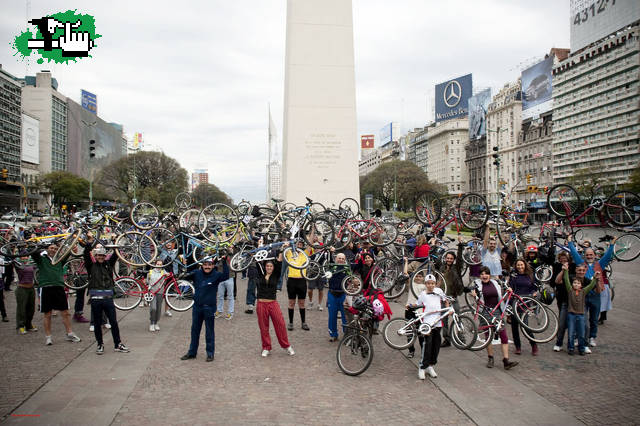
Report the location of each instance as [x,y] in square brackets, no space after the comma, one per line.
[66,187]
[634,181]
[588,179]
[207,193]
[154,176]
[397,180]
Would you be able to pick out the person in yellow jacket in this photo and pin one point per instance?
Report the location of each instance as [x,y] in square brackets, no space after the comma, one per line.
[297,287]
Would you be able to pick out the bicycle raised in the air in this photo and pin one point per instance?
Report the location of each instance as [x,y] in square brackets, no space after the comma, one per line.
[130,290]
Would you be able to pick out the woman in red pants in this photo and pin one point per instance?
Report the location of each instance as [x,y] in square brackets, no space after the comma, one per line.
[268,307]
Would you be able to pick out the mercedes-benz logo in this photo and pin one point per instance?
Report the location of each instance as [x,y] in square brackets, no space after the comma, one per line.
[452,93]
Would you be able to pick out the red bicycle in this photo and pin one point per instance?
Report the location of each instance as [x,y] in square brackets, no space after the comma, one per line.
[129,292]
[378,234]
[472,211]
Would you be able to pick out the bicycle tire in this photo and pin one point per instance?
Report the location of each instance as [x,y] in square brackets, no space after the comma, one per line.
[354,347]
[471,255]
[312,272]
[385,275]
[627,210]
[183,200]
[349,205]
[75,274]
[383,234]
[548,334]
[240,261]
[504,230]
[135,248]
[428,207]
[543,273]
[291,258]
[144,215]
[627,247]
[473,210]
[317,208]
[127,293]
[19,248]
[218,223]
[471,301]
[466,326]
[66,247]
[164,239]
[485,333]
[188,222]
[415,285]
[179,295]
[394,338]
[352,285]
[563,200]
[319,227]
[525,312]
[342,238]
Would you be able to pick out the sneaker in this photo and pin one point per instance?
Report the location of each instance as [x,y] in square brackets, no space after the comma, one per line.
[71,337]
[305,326]
[228,317]
[290,351]
[333,339]
[121,348]
[100,349]
[290,326]
[421,374]
[156,326]
[49,342]
[80,318]
[168,313]
[570,352]
[431,372]
[557,348]
[310,305]
[22,330]
[152,328]
[320,308]
[218,314]
[209,358]
[107,326]
[91,328]
[32,329]
[249,310]
[490,362]
[587,350]
[265,353]
[592,342]
[508,365]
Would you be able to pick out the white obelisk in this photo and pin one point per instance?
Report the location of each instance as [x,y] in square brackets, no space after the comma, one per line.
[320,147]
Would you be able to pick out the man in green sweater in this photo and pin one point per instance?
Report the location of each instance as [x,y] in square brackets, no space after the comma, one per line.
[52,295]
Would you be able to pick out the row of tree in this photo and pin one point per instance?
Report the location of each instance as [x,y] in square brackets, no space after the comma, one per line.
[145,175]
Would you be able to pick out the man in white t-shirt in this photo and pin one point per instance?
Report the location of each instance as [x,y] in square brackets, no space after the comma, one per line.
[431,300]
[491,254]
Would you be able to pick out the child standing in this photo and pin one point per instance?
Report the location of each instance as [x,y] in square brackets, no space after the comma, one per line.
[25,296]
[575,312]
[431,300]
[155,279]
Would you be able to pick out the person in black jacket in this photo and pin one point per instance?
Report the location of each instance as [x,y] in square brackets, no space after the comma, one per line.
[101,290]
[451,270]
[336,296]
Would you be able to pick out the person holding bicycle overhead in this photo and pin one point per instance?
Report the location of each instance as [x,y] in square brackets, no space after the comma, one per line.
[101,290]
[491,254]
[451,269]
[205,280]
[336,296]
[490,293]
[522,283]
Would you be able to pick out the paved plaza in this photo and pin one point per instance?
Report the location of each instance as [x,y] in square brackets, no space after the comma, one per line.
[69,384]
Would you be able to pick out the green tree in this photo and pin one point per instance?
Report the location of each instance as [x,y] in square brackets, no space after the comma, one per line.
[589,179]
[634,181]
[207,193]
[66,187]
[156,178]
[396,180]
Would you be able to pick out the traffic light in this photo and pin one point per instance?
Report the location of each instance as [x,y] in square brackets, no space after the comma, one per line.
[528,179]
[496,157]
[5,174]
[92,148]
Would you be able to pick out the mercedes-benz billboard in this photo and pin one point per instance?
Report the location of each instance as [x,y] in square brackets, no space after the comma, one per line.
[452,98]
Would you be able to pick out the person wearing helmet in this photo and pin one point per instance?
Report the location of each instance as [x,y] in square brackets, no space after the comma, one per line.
[430,299]
[522,282]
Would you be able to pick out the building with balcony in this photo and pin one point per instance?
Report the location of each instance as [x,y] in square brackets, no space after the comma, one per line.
[446,141]
[10,139]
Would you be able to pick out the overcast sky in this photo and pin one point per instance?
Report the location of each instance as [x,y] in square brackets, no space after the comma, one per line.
[195,77]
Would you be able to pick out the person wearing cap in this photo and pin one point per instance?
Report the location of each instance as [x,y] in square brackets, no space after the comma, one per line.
[101,290]
[430,299]
[206,281]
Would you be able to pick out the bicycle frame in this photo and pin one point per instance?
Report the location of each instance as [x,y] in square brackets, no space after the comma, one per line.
[445,220]
[430,326]
[349,225]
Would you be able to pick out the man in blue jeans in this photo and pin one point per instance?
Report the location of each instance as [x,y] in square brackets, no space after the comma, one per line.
[205,281]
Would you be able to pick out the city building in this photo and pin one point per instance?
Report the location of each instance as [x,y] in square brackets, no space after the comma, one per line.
[446,154]
[596,98]
[10,140]
[369,162]
[199,176]
[418,147]
[274,184]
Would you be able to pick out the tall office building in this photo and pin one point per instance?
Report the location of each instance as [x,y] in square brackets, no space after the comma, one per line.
[445,157]
[199,176]
[10,142]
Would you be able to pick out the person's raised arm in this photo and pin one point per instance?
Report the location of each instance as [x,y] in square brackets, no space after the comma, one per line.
[459,260]
[594,281]
[565,273]
[607,257]
[577,259]
[485,240]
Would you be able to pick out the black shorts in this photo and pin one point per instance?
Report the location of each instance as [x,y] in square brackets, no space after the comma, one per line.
[297,287]
[53,297]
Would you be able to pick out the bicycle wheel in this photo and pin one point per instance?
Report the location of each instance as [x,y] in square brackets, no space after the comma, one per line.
[265,227]
[166,243]
[75,274]
[127,293]
[428,207]
[627,247]
[144,215]
[463,333]
[472,255]
[19,248]
[563,200]
[65,248]
[354,354]
[623,208]
[240,261]
[383,234]
[548,334]
[136,248]
[350,206]
[218,222]
[385,275]
[318,227]
[484,335]
[312,272]
[504,230]
[183,200]
[418,277]
[352,285]
[179,295]
[295,259]
[188,222]
[399,334]
[473,210]
[543,273]
[342,238]
[531,314]
[471,301]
